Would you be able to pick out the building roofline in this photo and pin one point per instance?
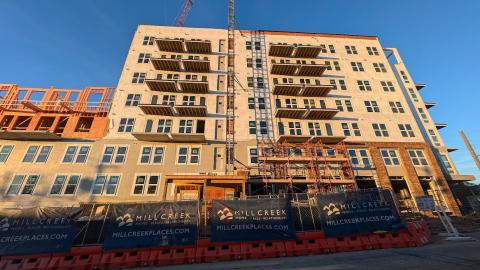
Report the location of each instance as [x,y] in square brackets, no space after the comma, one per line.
[278,32]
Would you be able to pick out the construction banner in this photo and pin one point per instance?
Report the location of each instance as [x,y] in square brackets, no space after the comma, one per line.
[152,224]
[358,212]
[37,230]
[252,220]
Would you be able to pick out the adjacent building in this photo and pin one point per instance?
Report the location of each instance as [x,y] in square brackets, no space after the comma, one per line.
[314,112]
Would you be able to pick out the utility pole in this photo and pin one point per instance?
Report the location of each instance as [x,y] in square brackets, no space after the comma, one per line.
[470,148]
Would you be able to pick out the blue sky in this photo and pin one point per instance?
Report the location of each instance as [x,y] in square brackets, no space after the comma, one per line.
[76,43]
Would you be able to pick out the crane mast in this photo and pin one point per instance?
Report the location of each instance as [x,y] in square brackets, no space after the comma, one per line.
[230,116]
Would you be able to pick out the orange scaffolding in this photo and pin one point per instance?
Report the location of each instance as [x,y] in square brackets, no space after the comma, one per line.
[319,166]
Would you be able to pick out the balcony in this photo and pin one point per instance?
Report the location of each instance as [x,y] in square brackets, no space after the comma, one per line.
[460,177]
[184,46]
[440,125]
[298,69]
[183,65]
[29,135]
[430,104]
[419,86]
[313,139]
[290,50]
[305,113]
[177,86]
[304,90]
[175,110]
[169,137]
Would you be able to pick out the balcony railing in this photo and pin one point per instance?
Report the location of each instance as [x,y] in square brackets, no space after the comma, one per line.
[304,90]
[182,65]
[305,113]
[291,50]
[169,137]
[178,86]
[59,106]
[184,46]
[174,110]
[298,69]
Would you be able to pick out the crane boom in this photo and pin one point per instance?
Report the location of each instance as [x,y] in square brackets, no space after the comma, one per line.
[230,117]
[187,6]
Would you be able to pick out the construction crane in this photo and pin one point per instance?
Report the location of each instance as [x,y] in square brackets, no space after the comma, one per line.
[230,117]
[182,16]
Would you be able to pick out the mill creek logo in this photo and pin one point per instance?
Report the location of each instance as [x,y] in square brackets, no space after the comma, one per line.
[225,214]
[4,225]
[331,209]
[125,220]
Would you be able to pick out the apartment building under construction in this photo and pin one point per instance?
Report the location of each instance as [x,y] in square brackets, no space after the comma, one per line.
[313,113]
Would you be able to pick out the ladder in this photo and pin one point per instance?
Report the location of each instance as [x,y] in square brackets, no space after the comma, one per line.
[263,111]
[230,117]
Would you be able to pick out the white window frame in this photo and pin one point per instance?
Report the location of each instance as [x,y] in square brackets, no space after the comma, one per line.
[75,155]
[114,154]
[371,106]
[360,158]
[364,85]
[126,125]
[7,155]
[420,159]
[406,130]
[147,184]
[188,155]
[250,155]
[390,157]
[22,185]
[104,187]
[387,86]
[37,153]
[65,184]
[152,155]
[133,99]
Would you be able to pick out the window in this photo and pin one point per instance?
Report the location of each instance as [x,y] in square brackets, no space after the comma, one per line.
[379,67]
[329,65]
[417,157]
[133,99]
[250,82]
[348,132]
[351,49]
[260,83]
[37,154]
[323,48]
[251,103]
[371,106]
[423,115]
[147,40]
[188,155]
[336,64]
[331,48]
[396,107]
[248,45]
[404,76]
[249,62]
[314,129]
[447,164]
[169,100]
[412,93]
[261,103]
[295,128]
[105,185]
[253,155]
[139,77]
[152,155]
[309,103]
[144,58]
[357,66]
[23,185]
[258,63]
[257,45]
[387,86]
[291,103]
[406,130]
[76,154]
[328,128]
[65,185]
[364,85]
[348,105]
[164,126]
[263,127]
[252,128]
[359,157]
[380,130]
[372,50]
[114,154]
[188,101]
[5,151]
[434,137]
[186,126]
[126,124]
[146,184]
[390,157]
[342,84]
